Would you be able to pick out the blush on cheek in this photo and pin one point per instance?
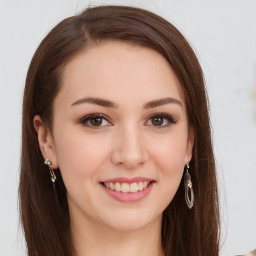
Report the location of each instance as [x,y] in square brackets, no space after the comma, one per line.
[170,158]
[80,159]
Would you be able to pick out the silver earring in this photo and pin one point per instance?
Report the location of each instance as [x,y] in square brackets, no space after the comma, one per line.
[49,164]
[188,188]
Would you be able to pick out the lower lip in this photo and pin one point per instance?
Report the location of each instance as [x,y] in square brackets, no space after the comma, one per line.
[129,197]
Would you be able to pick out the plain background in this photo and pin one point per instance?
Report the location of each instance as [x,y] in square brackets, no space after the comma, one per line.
[223,34]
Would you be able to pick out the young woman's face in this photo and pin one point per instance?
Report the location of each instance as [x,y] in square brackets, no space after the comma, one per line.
[120,135]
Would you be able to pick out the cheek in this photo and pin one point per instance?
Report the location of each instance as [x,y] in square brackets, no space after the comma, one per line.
[80,155]
[169,154]
[169,160]
[80,158]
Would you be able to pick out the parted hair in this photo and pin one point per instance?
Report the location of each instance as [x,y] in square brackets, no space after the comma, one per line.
[43,206]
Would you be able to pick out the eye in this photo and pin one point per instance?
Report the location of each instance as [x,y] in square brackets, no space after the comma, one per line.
[95,120]
[161,120]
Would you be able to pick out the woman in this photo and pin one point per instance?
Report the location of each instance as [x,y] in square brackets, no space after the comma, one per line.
[116,144]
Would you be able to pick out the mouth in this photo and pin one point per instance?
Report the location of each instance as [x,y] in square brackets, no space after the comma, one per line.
[128,189]
[125,187]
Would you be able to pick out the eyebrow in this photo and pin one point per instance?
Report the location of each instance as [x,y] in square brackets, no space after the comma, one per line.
[110,104]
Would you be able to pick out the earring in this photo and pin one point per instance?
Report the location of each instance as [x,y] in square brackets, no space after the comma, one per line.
[49,163]
[188,188]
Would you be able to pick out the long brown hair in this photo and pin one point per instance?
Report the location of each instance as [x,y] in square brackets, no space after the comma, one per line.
[43,206]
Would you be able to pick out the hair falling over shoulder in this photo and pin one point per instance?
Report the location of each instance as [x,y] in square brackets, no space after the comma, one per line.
[43,206]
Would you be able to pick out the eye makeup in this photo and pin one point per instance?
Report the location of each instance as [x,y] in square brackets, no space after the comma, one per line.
[157,120]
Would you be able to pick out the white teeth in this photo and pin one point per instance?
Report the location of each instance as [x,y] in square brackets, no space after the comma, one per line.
[126,188]
[140,185]
[117,187]
[134,188]
[112,186]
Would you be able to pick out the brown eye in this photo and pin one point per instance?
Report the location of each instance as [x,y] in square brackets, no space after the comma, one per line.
[157,121]
[96,121]
[161,120]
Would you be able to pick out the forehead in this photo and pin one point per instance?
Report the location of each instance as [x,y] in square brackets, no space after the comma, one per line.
[118,70]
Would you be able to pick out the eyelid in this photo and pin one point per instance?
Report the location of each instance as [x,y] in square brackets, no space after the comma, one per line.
[163,115]
[86,118]
[170,119]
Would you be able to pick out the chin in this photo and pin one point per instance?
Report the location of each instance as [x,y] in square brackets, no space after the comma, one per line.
[126,226]
[132,221]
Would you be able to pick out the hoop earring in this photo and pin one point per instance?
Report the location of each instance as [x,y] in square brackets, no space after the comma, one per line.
[49,164]
[188,188]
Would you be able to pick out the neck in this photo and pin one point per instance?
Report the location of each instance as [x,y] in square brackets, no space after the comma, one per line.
[92,239]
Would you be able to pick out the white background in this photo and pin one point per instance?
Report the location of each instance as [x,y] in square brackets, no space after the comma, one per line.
[223,34]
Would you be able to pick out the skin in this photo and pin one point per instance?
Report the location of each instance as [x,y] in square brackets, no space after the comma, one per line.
[128,143]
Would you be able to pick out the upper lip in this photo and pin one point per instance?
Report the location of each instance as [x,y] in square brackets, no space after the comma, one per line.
[127,180]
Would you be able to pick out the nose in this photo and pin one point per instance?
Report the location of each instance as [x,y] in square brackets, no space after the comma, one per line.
[129,149]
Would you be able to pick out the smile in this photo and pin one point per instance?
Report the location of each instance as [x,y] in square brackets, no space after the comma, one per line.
[126,187]
[128,190]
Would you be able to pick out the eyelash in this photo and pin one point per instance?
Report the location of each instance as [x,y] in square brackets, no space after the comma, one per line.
[89,117]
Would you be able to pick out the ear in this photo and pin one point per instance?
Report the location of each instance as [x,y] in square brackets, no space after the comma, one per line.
[45,140]
[190,144]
